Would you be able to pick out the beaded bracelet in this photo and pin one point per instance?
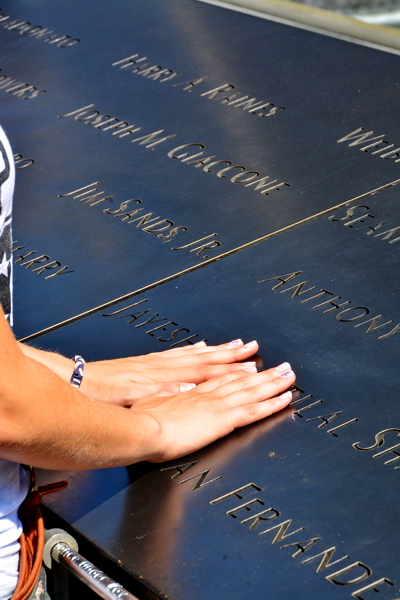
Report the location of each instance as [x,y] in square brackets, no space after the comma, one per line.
[77,375]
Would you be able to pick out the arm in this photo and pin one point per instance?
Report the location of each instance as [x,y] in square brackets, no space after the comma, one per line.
[46,422]
[123,381]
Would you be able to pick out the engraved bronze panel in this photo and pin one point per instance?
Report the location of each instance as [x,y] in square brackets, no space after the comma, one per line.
[151,138]
[251,105]
[323,296]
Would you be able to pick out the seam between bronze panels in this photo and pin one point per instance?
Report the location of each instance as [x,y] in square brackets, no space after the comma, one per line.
[199,266]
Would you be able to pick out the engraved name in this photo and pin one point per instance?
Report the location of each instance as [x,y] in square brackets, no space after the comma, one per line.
[143,311]
[248,177]
[253,106]
[21,162]
[345,315]
[164,229]
[357,138]
[42,263]
[379,442]
[373,226]
[326,419]
[36,31]
[136,64]
[352,574]
[200,481]
[18,88]
[120,128]
[123,129]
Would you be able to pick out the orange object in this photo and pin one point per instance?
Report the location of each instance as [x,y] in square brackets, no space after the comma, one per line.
[32,539]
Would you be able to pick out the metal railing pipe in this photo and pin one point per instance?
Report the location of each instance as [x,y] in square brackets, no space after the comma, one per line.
[62,548]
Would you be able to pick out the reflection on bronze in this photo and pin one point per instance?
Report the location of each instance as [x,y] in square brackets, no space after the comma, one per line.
[200,481]
[251,105]
[153,72]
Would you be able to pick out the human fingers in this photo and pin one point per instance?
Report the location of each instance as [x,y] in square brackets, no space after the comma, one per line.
[204,372]
[200,353]
[235,351]
[133,392]
[250,412]
[255,388]
[201,366]
[281,370]
[200,416]
[203,347]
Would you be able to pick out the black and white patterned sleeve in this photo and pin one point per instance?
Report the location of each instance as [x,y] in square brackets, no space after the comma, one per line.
[7,177]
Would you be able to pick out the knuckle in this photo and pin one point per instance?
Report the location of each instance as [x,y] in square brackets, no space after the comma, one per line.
[251,410]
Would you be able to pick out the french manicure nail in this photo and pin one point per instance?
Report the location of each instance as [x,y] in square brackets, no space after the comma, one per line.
[199,344]
[284,367]
[287,374]
[251,363]
[250,369]
[250,344]
[185,387]
[235,343]
[286,396]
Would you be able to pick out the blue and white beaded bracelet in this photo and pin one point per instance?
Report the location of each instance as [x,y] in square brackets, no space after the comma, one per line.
[77,375]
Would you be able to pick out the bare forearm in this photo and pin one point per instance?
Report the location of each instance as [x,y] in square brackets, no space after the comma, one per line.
[125,380]
[56,362]
[47,423]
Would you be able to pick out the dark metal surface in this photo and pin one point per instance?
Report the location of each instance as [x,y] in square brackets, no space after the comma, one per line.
[308,471]
[159,525]
[324,86]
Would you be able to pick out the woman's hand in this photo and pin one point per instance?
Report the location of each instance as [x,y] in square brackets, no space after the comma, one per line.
[179,425]
[125,380]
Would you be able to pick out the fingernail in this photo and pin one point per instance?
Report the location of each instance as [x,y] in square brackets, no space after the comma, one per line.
[286,396]
[283,368]
[235,343]
[249,363]
[199,345]
[250,344]
[287,374]
[185,387]
[250,369]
